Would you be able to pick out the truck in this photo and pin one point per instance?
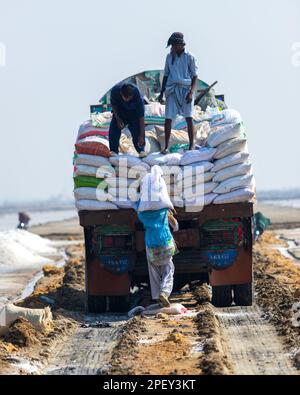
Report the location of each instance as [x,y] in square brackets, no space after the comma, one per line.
[215,244]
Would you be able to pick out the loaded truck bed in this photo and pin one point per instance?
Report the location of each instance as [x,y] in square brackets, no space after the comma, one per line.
[215,246]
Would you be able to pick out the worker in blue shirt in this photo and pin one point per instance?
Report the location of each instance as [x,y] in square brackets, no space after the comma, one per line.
[179,85]
[128,109]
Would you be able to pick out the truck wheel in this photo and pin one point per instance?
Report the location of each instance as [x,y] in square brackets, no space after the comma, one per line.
[96,304]
[243,294]
[118,304]
[222,296]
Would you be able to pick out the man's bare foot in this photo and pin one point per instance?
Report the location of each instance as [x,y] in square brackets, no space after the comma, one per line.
[191,148]
[165,151]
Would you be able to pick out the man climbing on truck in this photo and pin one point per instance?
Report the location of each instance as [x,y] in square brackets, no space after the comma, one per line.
[128,109]
[179,85]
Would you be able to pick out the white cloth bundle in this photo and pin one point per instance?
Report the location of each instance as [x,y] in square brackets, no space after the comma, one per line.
[154,193]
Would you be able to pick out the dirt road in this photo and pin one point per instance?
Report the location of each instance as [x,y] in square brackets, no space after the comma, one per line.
[204,341]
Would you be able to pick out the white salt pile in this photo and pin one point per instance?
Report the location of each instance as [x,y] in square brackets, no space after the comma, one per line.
[22,249]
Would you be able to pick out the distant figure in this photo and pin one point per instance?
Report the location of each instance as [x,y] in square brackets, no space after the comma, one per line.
[23,220]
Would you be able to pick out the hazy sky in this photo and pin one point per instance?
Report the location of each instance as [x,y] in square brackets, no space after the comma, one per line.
[62,56]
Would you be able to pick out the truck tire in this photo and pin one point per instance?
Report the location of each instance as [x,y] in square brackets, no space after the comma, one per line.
[243,294]
[96,304]
[118,304]
[222,296]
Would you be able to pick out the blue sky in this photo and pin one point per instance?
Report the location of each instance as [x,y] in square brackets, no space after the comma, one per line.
[62,56]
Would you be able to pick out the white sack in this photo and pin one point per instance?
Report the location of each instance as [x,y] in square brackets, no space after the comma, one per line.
[154,193]
[199,155]
[94,205]
[200,190]
[239,196]
[231,147]
[218,135]
[194,169]
[233,171]
[226,117]
[85,193]
[235,183]
[91,160]
[230,160]
[41,319]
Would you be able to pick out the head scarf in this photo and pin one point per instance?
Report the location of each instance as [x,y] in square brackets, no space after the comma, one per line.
[176,38]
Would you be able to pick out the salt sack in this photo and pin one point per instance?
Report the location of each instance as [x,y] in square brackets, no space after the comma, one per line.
[176,136]
[93,145]
[220,135]
[194,169]
[127,160]
[122,182]
[233,171]
[86,193]
[235,183]
[226,117]
[230,160]
[91,205]
[239,196]
[230,147]
[91,171]
[41,319]
[207,199]
[200,155]
[91,160]
[193,180]
[204,189]
[130,193]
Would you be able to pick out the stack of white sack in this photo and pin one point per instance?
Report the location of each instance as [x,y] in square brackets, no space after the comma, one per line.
[124,186]
[188,176]
[91,167]
[232,166]
[218,171]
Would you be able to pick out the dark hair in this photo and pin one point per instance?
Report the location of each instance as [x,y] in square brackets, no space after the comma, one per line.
[127,90]
[176,38]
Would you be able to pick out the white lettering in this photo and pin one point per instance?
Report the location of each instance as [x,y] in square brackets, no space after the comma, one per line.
[296,55]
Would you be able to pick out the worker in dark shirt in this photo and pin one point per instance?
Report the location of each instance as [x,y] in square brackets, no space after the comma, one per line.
[128,109]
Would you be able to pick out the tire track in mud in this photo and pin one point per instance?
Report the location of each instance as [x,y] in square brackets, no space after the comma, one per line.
[253,344]
[89,350]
